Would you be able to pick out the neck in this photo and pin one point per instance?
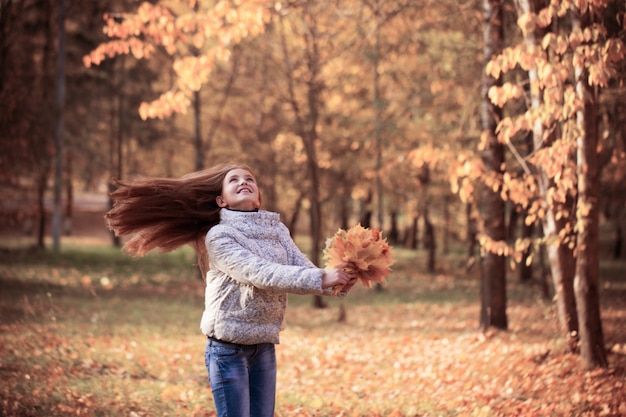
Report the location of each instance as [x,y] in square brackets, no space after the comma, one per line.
[244,211]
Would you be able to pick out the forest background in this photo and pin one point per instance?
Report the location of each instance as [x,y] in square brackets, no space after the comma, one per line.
[491,132]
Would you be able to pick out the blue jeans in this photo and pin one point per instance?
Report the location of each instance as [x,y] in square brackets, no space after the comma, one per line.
[242,377]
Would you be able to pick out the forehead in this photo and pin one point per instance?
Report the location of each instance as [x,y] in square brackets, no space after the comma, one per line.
[238,172]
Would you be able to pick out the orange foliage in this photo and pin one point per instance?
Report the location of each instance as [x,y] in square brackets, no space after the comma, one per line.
[542,180]
[197,38]
[365,250]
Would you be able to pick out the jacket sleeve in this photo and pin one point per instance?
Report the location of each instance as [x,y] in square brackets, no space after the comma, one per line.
[244,266]
[298,258]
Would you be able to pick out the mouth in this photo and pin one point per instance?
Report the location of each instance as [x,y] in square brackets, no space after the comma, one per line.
[244,190]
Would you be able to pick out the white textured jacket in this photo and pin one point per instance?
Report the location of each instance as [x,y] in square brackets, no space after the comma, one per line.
[253,263]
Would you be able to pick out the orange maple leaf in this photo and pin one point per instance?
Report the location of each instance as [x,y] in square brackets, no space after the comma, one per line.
[365,251]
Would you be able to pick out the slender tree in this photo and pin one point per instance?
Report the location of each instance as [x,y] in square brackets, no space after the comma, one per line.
[59,142]
[562,263]
[587,280]
[306,116]
[566,155]
[493,279]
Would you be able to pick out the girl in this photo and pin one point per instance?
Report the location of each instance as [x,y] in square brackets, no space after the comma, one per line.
[250,261]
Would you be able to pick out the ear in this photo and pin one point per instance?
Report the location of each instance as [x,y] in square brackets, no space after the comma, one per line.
[220,201]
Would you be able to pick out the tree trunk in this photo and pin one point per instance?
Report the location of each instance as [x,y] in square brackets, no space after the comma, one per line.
[560,256]
[306,128]
[394,233]
[470,238]
[378,103]
[115,240]
[116,155]
[619,240]
[562,267]
[197,128]
[493,279]
[310,138]
[69,196]
[315,209]
[543,272]
[526,271]
[41,208]
[511,226]
[197,117]
[57,219]
[46,79]
[316,220]
[293,221]
[446,224]
[587,279]
[344,210]
[411,235]
[429,241]
[365,218]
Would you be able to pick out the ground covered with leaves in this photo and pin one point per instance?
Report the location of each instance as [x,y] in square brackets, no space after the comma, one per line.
[93,333]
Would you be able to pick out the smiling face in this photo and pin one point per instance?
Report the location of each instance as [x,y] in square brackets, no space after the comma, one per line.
[239,191]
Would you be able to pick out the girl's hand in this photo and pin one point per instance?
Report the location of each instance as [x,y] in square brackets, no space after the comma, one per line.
[338,277]
[343,290]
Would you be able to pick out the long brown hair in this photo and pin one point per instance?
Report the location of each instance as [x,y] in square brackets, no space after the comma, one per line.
[166,213]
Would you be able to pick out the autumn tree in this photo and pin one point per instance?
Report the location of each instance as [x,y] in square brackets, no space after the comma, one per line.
[26,89]
[477,177]
[567,64]
[58,131]
[29,93]
[172,25]
[543,182]
[493,272]
[554,219]
[421,97]
[307,108]
[587,279]
[313,40]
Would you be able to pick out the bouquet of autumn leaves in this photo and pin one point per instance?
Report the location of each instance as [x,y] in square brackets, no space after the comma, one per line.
[364,250]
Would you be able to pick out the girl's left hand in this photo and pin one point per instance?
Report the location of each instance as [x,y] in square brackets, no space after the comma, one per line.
[343,290]
[338,277]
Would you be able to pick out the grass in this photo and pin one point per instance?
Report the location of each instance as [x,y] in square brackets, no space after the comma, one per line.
[93,332]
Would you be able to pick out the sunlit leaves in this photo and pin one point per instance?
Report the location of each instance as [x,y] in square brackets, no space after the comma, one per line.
[118,47]
[556,9]
[585,48]
[527,22]
[510,126]
[551,111]
[507,92]
[167,104]
[614,51]
[194,71]
[197,39]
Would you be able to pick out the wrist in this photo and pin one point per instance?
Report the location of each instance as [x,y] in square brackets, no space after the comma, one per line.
[325,280]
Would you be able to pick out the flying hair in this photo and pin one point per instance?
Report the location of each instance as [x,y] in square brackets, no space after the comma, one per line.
[166,213]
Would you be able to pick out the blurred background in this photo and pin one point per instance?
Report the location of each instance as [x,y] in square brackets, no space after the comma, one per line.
[487,139]
[348,111]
